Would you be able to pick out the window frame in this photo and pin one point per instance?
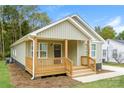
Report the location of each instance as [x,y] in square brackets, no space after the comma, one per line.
[86,50]
[93,50]
[40,50]
[104,52]
[114,53]
[14,52]
[30,49]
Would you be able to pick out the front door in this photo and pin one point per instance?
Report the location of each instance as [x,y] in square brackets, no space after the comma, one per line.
[57,53]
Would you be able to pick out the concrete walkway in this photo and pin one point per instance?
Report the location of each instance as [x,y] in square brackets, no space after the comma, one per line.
[117,71]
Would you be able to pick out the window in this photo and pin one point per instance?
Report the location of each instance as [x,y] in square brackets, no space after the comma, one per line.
[43,50]
[93,50]
[104,53]
[31,49]
[14,52]
[114,53]
[86,50]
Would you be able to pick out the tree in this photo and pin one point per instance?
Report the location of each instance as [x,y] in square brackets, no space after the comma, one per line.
[2,33]
[16,21]
[98,29]
[39,20]
[108,32]
[120,36]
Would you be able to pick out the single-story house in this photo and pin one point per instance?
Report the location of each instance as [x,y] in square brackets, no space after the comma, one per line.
[113,51]
[67,46]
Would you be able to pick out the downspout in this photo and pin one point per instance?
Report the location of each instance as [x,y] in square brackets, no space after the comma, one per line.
[33,67]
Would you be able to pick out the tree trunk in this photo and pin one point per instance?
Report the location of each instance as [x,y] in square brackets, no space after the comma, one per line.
[2,36]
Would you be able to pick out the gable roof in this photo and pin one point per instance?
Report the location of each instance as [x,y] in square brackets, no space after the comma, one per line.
[69,18]
[120,41]
[117,41]
[88,27]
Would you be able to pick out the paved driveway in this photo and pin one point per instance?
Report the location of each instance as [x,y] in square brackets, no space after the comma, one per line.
[116,71]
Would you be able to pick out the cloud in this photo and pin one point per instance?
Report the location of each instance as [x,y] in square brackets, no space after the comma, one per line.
[116,23]
[101,19]
[53,8]
[119,28]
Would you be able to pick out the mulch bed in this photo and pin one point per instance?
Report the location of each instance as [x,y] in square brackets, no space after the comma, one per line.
[21,79]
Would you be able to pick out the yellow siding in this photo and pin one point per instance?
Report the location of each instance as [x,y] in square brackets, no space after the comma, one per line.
[95,37]
[20,52]
[72,51]
[64,30]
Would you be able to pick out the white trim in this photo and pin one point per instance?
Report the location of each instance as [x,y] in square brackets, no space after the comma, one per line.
[88,26]
[34,33]
[33,67]
[61,48]
[94,50]
[41,50]
[82,30]
[48,26]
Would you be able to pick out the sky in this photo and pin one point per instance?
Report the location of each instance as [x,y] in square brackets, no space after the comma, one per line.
[93,15]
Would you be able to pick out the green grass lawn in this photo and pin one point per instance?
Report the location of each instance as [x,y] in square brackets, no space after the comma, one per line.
[4,76]
[116,82]
[114,64]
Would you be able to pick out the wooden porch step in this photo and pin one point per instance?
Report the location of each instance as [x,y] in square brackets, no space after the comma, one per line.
[79,67]
[83,74]
[82,71]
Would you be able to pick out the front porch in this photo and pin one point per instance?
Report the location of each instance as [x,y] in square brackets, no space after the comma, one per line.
[60,62]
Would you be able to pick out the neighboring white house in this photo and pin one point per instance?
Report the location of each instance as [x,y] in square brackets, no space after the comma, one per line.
[59,48]
[113,51]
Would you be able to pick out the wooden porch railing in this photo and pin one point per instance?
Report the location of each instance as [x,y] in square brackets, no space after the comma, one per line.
[68,66]
[50,66]
[91,63]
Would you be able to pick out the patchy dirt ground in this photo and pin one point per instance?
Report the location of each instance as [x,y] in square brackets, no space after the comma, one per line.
[21,79]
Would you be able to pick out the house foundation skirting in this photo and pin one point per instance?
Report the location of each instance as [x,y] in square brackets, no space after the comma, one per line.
[18,63]
[98,66]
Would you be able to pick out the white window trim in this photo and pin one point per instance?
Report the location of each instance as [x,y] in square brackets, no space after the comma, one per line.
[85,50]
[104,51]
[42,50]
[93,50]
[14,52]
[31,49]
[114,53]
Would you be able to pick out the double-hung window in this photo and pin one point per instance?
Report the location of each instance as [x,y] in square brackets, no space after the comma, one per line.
[85,50]
[30,51]
[93,50]
[114,53]
[14,52]
[104,53]
[43,50]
